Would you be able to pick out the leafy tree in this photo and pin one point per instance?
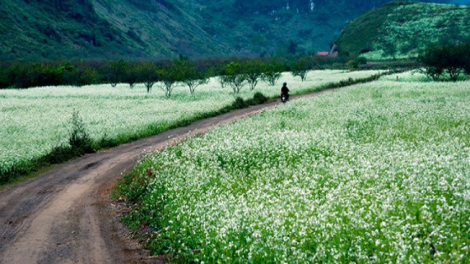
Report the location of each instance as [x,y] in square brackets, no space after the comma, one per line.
[148,74]
[115,72]
[253,70]
[222,80]
[449,59]
[131,74]
[235,76]
[301,67]
[220,73]
[170,76]
[191,75]
[272,73]
[432,61]
[466,65]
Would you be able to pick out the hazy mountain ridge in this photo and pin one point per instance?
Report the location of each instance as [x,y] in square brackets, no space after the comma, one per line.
[134,29]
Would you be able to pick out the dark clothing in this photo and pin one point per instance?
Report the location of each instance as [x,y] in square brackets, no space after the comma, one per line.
[285,91]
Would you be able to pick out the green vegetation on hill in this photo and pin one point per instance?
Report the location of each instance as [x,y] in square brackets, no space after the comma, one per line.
[132,29]
[99,29]
[405,29]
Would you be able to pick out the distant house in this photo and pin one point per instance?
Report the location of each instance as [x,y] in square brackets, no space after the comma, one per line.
[332,53]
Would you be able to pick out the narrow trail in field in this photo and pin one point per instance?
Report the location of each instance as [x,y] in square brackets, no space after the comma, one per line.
[67,216]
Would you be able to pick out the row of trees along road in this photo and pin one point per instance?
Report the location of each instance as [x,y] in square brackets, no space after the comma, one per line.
[236,73]
[446,62]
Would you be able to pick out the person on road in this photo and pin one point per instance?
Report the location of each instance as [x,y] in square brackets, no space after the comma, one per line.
[285,91]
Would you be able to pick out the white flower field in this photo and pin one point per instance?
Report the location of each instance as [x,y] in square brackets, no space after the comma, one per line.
[374,173]
[33,121]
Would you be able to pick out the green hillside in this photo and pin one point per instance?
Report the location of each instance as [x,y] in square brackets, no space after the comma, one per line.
[404,29]
[99,29]
[111,29]
[136,29]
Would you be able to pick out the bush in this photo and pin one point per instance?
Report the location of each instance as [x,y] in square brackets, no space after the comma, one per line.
[239,103]
[259,98]
[79,140]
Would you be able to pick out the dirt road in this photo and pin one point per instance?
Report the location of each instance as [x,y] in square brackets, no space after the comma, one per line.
[67,216]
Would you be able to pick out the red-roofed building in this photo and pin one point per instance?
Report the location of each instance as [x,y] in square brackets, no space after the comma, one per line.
[323,53]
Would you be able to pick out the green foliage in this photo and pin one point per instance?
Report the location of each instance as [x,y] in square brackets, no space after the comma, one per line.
[79,140]
[259,98]
[192,76]
[300,67]
[404,30]
[148,74]
[115,72]
[254,70]
[235,76]
[450,59]
[131,74]
[170,76]
[239,103]
[272,73]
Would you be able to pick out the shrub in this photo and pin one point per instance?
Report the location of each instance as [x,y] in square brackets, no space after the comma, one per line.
[79,140]
[239,103]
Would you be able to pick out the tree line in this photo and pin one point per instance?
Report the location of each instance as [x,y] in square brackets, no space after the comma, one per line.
[234,73]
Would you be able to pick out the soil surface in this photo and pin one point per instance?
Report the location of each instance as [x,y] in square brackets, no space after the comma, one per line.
[67,215]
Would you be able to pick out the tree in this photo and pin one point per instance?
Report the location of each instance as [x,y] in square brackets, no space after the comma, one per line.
[432,61]
[254,70]
[465,57]
[450,59]
[131,74]
[115,72]
[191,75]
[300,68]
[148,74]
[272,73]
[235,76]
[170,76]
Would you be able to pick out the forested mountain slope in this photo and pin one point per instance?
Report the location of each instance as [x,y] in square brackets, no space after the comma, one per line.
[136,29]
[100,29]
[404,29]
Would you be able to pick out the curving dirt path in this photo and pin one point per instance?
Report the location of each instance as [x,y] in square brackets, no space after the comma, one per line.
[67,216]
